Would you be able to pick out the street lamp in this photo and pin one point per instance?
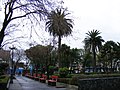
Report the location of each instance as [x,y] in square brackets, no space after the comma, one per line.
[11,74]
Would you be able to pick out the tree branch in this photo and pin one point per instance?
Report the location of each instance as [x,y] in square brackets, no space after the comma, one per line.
[23,15]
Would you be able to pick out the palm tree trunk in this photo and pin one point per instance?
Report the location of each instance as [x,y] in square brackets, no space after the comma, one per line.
[94,58]
[59,55]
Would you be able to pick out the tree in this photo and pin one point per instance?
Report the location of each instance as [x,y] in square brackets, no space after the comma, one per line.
[5,55]
[65,55]
[75,58]
[59,26]
[19,56]
[110,53]
[39,56]
[93,42]
[4,61]
[18,9]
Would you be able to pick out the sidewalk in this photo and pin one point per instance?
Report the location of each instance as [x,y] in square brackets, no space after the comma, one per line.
[23,83]
[15,86]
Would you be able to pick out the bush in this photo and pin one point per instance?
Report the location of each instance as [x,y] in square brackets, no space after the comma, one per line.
[69,76]
[3,82]
[3,67]
[64,80]
[63,72]
[71,81]
[76,77]
[51,70]
[4,79]
[84,76]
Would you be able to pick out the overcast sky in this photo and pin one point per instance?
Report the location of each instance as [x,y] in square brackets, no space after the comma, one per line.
[103,15]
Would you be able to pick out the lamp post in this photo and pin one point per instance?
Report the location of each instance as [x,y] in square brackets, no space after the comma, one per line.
[11,74]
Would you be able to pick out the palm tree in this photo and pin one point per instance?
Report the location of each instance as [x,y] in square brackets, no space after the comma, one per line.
[93,42]
[59,26]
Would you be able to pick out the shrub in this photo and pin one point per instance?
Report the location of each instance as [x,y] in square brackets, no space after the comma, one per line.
[64,80]
[57,74]
[3,82]
[4,79]
[69,76]
[76,77]
[72,81]
[3,67]
[51,70]
[63,72]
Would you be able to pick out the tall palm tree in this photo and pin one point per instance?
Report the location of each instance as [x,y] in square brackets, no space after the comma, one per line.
[93,42]
[59,26]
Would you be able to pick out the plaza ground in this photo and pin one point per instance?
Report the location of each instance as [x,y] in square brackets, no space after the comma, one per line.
[23,83]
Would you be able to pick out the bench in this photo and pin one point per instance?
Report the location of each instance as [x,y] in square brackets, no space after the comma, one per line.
[36,77]
[53,80]
[43,78]
[28,75]
[32,76]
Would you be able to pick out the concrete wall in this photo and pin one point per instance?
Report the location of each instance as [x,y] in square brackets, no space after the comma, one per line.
[110,83]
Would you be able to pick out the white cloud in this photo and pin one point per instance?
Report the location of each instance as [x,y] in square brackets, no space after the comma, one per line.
[103,15]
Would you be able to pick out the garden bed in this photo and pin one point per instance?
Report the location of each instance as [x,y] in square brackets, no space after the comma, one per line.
[4,82]
[106,83]
[76,77]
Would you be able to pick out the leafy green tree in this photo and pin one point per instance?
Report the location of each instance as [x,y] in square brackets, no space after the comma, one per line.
[86,61]
[3,68]
[93,42]
[53,57]
[117,53]
[65,55]
[59,26]
[75,58]
[63,72]
[109,53]
[39,55]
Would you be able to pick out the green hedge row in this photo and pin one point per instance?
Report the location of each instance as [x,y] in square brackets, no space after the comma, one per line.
[4,79]
[71,81]
[76,77]
[3,82]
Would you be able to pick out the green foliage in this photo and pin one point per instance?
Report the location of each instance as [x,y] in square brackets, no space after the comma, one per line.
[59,25]
[64,80]
[3,67]
[71,81]
[110,53]
[69,76]
[4,79]
[93,42]
[51,67]
[74,79]
[39,55]
[56,74]
[63,72]
[84,76]
[65,55]
[51,70]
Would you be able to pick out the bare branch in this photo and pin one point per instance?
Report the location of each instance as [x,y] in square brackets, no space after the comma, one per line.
[23,15]
[34,10]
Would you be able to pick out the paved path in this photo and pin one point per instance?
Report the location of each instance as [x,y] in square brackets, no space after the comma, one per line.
[23,83]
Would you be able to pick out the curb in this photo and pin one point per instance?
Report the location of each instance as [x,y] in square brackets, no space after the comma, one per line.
[8,84]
